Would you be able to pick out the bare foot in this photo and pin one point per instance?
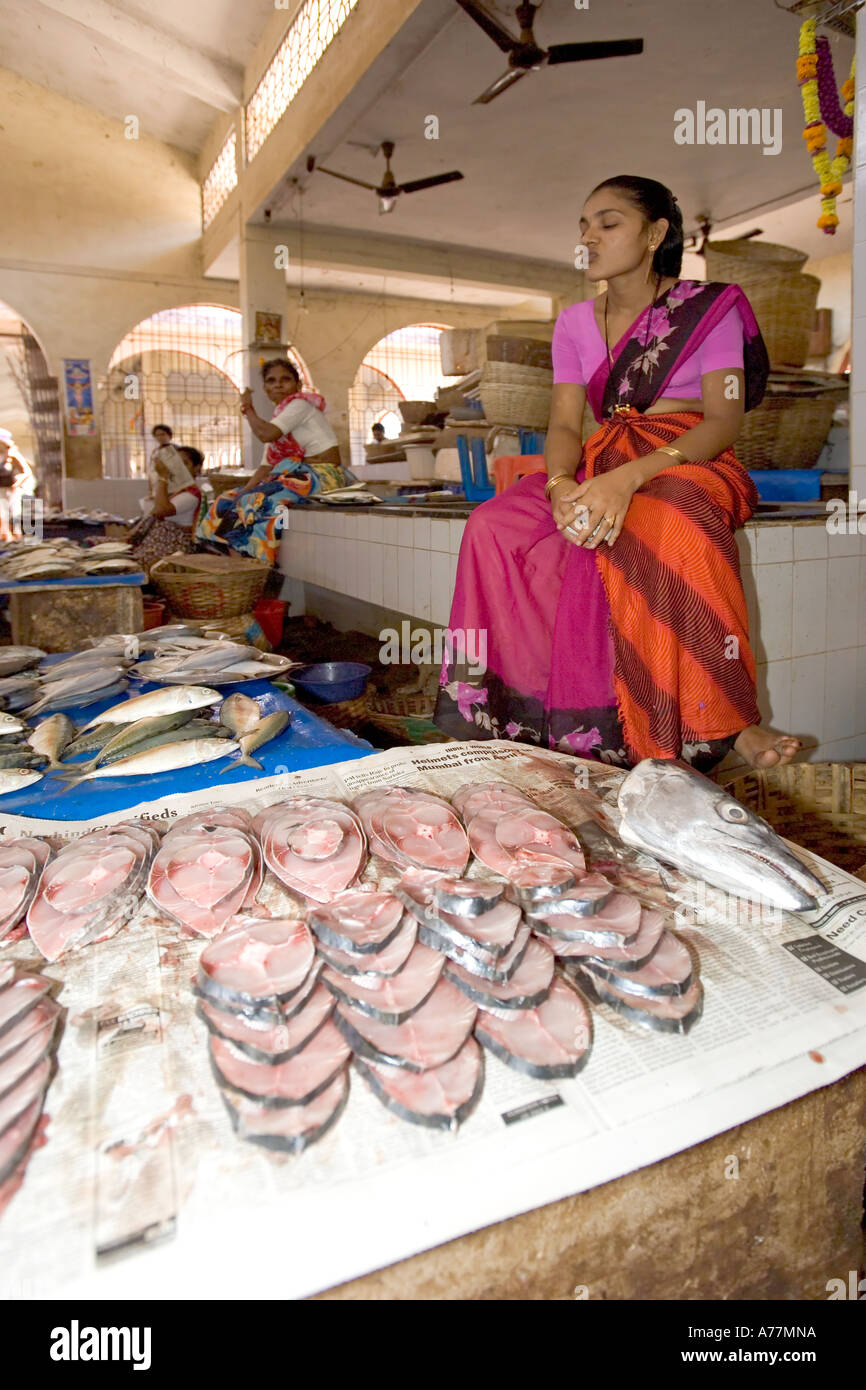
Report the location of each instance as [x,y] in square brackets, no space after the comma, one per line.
[761,748]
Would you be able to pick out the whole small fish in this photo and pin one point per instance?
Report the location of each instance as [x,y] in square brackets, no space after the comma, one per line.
[196,729]
[166,758]
[240,713]
[270,727]
[13,685]
[167,700]
[15,659]
[80,690]
[11,724]
[14,779]
[80,662]
[163,727]
[96,738]
[51,737]
[21,757]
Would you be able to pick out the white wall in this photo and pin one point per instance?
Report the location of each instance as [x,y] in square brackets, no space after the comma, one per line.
[98,231]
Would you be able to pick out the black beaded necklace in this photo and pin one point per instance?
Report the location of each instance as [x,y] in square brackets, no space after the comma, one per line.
[649,320]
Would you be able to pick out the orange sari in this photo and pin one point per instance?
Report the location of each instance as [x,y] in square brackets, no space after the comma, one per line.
[684,671]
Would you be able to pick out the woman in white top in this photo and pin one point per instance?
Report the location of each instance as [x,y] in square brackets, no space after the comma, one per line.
[170,512]
[302,459]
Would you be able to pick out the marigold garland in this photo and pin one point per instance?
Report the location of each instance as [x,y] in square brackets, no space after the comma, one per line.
[818,86]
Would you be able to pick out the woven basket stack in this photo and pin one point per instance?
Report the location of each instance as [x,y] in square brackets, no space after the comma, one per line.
[517,381]
[821,806]
[790,427]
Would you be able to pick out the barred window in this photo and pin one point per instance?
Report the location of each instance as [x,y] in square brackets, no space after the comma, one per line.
[221,179]
[317,23]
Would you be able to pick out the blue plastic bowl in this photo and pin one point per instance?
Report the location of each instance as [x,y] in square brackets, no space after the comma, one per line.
[332,681]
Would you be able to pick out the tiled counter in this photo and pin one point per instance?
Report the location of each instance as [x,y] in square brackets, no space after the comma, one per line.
[805,589]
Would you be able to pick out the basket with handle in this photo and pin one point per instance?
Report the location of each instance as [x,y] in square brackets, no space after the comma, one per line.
[210,586]
[821,806]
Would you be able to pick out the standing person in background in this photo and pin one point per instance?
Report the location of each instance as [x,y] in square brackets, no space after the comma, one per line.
[378,433]
[302,459]
[16,481]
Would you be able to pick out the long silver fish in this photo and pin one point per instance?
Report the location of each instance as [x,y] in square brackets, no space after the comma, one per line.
[684,819]
[167,758]
[15,659]
[96,738]
[168,699]
[51,737]
[128,736]
[79,689]
[268,728]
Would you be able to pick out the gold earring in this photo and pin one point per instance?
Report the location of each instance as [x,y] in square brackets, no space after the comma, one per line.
[652,249]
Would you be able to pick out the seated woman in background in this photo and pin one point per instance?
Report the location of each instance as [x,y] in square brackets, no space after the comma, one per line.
[171,510]
[610,593]
[301,460]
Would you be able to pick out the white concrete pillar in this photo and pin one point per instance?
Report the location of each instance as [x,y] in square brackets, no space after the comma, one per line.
[262,289]
[858,267]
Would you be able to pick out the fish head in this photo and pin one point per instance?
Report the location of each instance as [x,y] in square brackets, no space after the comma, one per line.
[684,819]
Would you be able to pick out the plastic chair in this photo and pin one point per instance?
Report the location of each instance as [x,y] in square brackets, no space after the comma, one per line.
[473,469]
[509,467]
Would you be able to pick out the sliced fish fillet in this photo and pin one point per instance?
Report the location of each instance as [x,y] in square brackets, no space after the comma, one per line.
[276,1042]
[553,1040]
[391,1000]
[441,1098]
[360,923]
[377,965]
[528,987]
[289,1129]
[295,1082]
[259,959]
[432,1036]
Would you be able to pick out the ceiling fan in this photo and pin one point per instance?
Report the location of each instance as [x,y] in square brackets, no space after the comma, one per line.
[524,54]
[389,190]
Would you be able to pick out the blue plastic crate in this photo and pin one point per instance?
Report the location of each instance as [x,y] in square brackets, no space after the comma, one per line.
[787,484]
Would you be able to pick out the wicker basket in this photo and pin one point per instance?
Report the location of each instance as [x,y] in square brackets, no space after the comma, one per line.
[821,806]
[343,714]
[210,586]
[743,261]
[785,309]
[786,431]
[782,298]
[408,717]
[515,394]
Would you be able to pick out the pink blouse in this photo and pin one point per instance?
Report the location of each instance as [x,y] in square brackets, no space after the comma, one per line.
[579,350]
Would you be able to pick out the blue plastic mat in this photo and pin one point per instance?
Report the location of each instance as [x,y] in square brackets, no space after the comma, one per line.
[84,581]
[787,484]
[307,742]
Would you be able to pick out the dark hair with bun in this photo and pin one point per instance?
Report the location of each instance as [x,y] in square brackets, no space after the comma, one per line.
[655,201]
[280,362]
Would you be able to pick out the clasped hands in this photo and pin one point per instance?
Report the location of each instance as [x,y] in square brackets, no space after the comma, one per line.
[593,511]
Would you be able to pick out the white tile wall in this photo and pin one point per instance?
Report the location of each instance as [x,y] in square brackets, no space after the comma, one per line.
[806,593]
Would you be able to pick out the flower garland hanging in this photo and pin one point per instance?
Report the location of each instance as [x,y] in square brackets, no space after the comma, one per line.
[821,104]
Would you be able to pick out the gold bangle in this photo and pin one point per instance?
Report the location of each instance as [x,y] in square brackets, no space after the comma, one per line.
[557,478]
[674,453]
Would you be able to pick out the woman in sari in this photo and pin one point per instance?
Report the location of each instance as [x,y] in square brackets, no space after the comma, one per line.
[610,592]
[301,460]
[170,511]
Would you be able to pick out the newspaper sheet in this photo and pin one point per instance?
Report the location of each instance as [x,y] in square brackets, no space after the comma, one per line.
[143,1190]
